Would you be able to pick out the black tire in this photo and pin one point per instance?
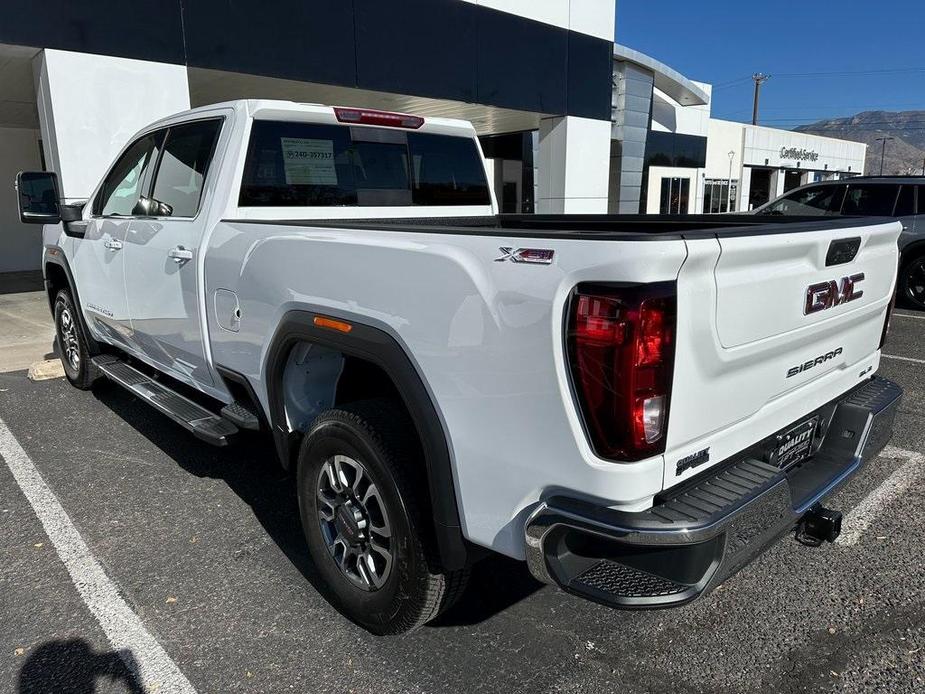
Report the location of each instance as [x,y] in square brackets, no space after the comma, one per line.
[414,589]
[72,343]
[912,282]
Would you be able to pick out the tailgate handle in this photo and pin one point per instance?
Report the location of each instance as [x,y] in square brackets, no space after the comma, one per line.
[842,251]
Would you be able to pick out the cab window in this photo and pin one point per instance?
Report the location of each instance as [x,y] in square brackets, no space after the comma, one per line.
[811,201]
[870,200]
[181,172]
[123,185]
[905,203]
[291,164]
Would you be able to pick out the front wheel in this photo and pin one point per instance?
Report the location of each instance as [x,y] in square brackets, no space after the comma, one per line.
[362,501]
[72,344]
[912,282]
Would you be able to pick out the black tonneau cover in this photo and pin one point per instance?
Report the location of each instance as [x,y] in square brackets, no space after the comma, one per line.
[622,227]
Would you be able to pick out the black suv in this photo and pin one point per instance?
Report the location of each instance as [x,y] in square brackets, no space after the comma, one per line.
[871,196]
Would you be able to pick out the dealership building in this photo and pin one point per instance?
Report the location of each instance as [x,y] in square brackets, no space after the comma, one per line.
[569,121]
[695,163]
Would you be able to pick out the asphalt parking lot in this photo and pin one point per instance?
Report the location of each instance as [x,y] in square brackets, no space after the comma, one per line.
[204,552]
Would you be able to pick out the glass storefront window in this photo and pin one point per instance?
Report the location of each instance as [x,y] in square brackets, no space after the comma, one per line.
[675,195]
[720,195]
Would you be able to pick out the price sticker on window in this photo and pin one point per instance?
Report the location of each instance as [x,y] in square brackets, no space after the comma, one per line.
[308,161]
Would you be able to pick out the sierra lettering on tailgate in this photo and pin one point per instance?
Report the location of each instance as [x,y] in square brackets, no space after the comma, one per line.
[806,365]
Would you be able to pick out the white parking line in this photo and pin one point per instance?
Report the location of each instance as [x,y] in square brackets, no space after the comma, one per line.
[860,518]
[894,356]
[908,315]
[154,669]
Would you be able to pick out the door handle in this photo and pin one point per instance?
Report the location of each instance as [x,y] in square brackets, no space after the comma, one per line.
[180,255]
[113,244]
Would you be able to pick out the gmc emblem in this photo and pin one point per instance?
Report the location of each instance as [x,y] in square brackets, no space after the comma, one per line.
[825,295]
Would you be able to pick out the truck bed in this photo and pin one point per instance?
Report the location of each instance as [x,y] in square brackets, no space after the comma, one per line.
[630,227]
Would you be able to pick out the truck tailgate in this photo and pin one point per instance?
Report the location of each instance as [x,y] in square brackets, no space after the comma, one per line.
[761,281]
[770,327]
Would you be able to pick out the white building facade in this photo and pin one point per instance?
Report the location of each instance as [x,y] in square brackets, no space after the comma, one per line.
[693,163]
[569,121]
[77,80]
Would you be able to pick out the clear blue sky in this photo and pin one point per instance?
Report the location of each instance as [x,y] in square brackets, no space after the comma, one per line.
[723,42]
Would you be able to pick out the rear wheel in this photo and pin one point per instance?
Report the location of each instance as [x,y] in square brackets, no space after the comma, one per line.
[72,343]
[361,498]
[912,282]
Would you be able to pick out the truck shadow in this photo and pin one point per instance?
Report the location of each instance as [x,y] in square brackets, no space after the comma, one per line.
[71,666]
[251,471]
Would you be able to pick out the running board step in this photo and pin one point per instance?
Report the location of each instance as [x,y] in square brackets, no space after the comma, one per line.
[241,416]
[192,416]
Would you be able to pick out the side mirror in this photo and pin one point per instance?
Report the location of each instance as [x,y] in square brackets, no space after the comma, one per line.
[37,196]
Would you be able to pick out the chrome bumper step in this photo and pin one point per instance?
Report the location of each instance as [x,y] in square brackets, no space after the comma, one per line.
[203,423]
[695,537]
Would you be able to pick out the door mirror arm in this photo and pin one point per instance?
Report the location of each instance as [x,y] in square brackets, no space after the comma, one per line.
[72,212]
[150,207]
[72,217]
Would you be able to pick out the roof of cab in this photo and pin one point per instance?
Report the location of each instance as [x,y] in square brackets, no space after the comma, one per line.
[279,108]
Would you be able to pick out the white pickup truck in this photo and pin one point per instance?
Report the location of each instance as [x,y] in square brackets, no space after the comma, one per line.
[636,406]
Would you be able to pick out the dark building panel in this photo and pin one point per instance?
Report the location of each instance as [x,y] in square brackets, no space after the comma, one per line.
[141,29]
[514,146]
[522,64]
[311,41]
[590,75]
[433,48]
[421,47]
[675,149]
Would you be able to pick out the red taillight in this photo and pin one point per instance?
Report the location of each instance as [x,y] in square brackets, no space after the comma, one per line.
[621,353]
[366,116]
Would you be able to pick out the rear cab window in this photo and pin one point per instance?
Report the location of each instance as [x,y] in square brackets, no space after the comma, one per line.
[293,164]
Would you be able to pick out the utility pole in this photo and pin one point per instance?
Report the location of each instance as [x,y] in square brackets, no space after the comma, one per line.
[760,78]
[923,167]
[882,141]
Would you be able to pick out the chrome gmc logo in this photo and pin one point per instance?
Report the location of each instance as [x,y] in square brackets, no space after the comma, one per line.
[825,295]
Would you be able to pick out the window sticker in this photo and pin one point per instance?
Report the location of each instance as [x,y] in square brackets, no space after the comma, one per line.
[308,161]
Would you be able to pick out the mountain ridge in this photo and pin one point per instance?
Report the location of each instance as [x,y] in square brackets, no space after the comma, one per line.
[904,155]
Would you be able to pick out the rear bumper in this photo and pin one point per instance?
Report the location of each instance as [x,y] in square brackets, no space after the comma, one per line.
[697,536]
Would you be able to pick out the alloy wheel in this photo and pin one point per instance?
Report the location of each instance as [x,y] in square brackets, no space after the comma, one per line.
[915,282]
[354,522]
[67,332]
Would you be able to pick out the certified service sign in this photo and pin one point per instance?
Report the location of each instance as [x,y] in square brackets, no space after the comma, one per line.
[798,154]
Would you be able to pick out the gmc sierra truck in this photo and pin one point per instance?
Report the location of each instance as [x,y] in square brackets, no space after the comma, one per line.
[635,406]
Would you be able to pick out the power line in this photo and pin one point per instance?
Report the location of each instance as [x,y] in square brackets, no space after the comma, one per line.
[852,73]
[840,73]
[890,107]
[825,122]
[732,83]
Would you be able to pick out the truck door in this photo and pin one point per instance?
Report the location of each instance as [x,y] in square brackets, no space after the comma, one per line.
[162,253]
[98,261]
